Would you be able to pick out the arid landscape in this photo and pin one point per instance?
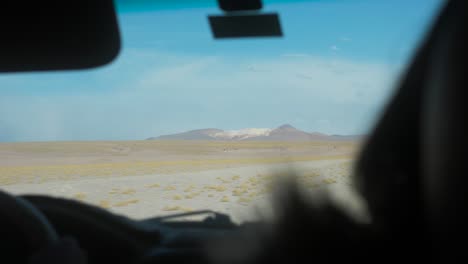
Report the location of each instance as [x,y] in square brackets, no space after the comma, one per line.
[157,177]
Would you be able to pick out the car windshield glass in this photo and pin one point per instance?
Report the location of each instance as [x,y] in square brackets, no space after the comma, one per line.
[181,121]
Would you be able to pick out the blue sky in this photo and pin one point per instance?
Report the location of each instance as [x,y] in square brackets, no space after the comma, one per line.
[332,72]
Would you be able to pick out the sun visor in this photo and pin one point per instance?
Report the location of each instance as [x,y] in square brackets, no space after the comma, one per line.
[57,35]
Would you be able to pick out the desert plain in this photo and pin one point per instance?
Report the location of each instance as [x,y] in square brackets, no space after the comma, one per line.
[142,179]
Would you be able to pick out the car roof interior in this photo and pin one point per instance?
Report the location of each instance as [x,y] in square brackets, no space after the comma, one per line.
[412,170]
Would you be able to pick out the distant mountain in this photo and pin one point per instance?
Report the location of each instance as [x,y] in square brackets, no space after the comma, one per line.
[290,133]
[199,134]
[282,133]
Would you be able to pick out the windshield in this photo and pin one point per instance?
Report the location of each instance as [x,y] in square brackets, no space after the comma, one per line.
[181,121]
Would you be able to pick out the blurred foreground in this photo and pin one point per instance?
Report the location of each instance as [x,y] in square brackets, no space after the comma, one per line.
[148,178]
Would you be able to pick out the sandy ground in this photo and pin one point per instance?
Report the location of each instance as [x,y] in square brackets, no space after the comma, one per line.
[156,180]
[241,192]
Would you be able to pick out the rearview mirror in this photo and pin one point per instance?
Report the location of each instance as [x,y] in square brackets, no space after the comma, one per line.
[57,35]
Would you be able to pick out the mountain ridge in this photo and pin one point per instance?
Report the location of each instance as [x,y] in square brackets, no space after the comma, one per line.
[284,132]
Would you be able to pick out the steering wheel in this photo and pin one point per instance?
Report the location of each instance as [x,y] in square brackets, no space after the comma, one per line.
[33,225]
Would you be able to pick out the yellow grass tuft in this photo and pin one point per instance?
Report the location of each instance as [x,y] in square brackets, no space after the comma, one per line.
[177,208]
[171,208]
[125,191]
[253,194]
[186,209]
[170,188]
[189,188]
[125,203]
[225,199]
[218,188]
[104,204]
[237,192]
[177,197]
[328,181]
[244,186]
[80,196]
[312,174]
[156,185]
[129,191]
[243,189]
[244,200]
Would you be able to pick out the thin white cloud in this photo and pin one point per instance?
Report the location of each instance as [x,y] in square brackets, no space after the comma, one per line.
[334,48]
[254,68]
[296,55]
[345,39]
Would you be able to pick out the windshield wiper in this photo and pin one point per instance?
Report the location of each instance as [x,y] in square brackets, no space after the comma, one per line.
[215,219]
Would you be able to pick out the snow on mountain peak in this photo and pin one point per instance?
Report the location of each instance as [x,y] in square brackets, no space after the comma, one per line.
[242,133]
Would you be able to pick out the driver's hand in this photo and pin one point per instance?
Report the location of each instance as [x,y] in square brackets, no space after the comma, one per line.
[66,251]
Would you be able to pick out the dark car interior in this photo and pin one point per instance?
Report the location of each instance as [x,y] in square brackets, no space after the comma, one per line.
[411,171]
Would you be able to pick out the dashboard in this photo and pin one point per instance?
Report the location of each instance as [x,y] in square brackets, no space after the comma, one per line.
[112,238]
